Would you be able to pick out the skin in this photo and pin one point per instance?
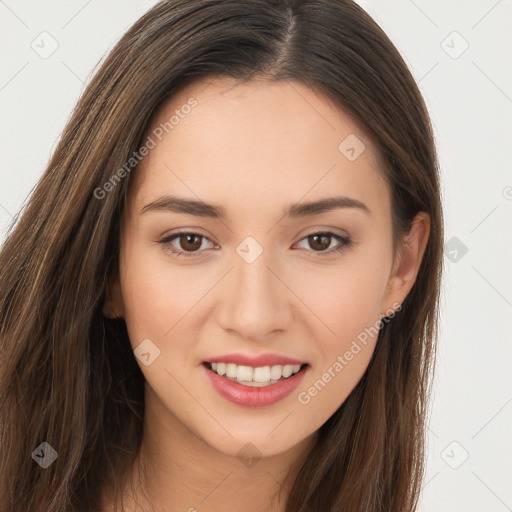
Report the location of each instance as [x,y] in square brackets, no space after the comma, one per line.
[255,150]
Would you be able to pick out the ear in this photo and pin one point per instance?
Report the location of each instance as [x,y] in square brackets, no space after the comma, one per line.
[407,263]
[114,305]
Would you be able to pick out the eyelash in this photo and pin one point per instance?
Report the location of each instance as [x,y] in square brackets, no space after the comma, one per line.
[343,240]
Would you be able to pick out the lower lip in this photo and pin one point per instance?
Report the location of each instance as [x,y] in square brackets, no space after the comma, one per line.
[248,396]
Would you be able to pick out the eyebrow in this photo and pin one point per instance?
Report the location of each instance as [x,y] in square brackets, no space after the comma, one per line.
[177,204]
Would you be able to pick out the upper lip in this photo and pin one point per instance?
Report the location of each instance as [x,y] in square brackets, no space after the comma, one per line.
[266,359]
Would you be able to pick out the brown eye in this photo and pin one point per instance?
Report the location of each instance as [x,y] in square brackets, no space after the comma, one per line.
[319,241]
[189,244]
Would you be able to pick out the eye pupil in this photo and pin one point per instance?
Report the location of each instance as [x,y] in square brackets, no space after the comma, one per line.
[319,246]
[188,238]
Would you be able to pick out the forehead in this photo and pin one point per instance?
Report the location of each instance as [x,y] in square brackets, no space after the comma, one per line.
[254,143]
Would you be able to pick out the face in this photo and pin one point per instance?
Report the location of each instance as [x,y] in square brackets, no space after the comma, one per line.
[249,276]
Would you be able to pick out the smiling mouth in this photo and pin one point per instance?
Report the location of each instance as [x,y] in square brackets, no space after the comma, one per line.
[260,376]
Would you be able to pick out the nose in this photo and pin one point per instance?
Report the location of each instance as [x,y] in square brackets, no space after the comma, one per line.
[255,302]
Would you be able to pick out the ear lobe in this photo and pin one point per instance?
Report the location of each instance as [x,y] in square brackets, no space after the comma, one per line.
[408,260]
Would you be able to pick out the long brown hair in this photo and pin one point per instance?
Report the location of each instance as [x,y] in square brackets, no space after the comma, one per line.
[68,376]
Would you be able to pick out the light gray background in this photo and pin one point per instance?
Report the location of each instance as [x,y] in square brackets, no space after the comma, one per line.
[469,95]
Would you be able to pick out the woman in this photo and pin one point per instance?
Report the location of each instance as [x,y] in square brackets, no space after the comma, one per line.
[223,291]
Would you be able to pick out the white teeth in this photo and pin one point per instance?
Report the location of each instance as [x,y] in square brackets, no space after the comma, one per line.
[231,370]
[255,377]
[244,373]
[261,374]
[287,370]
[276,372]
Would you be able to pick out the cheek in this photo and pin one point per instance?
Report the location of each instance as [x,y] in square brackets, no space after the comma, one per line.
[160,297]
[345,298]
